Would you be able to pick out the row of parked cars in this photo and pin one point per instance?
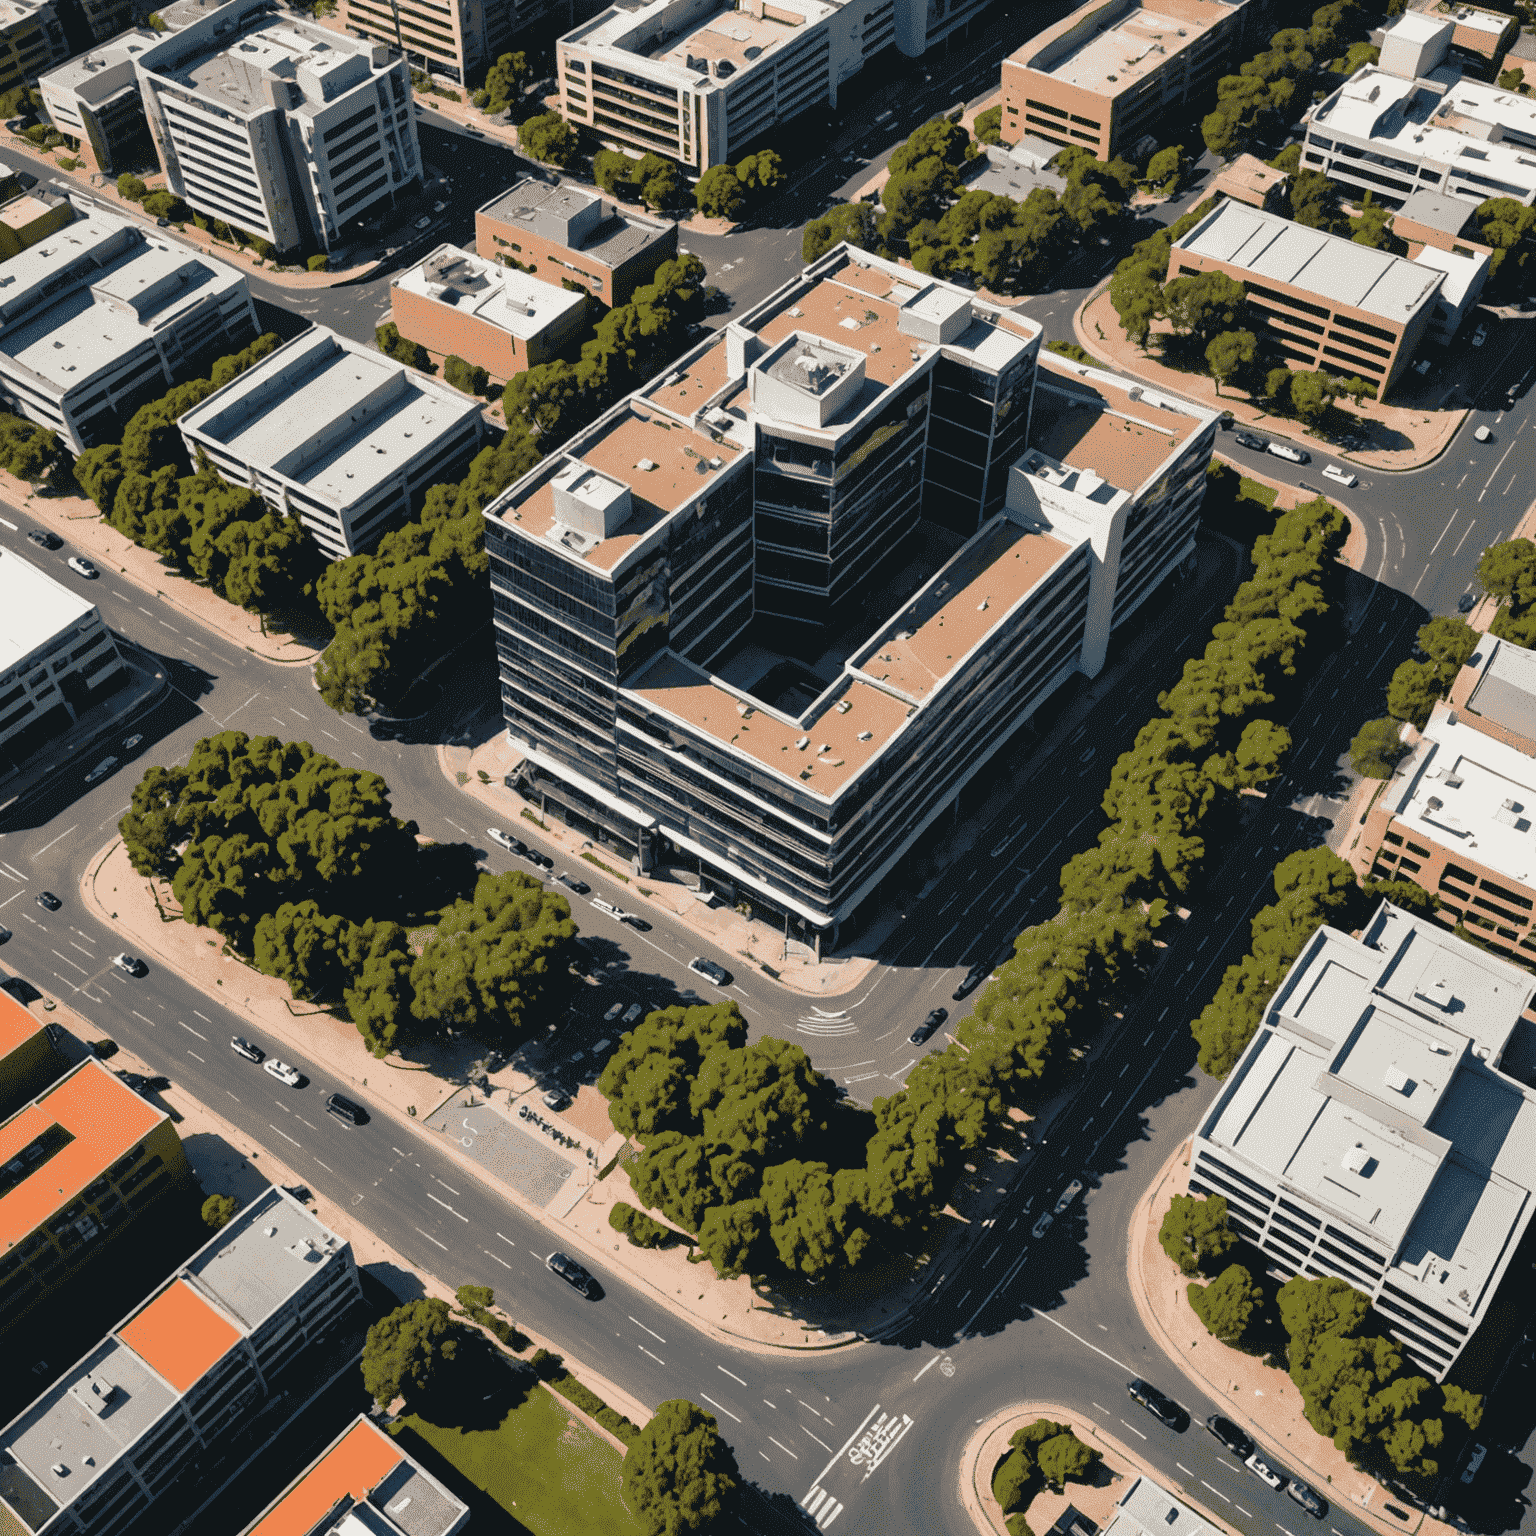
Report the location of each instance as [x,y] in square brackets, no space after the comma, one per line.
[337,1104]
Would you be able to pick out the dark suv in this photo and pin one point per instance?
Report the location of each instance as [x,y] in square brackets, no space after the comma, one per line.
[346,1109]
[972,979]
[1158,1404]
[1230,1436]
[571,1272]
[924,1031]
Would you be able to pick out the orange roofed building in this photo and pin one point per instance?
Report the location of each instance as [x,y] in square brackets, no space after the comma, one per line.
[189,1382]
[28,1060]
[364,1468]
[77,1164]
[770,614]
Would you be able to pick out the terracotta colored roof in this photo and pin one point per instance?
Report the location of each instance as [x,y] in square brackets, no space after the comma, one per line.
[179,1335]
[17,1024]
[355,1465]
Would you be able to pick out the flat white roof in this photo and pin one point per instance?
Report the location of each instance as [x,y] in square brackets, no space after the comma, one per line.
[513,301]
[1461,272]
[33,609]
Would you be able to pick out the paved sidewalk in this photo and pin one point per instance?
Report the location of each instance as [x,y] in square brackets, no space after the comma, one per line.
[1264,1400]
[80,521]
[1121,1465]
[1427,432]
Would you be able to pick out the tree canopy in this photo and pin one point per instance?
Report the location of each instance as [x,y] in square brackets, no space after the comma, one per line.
[1194,1232]
[406,1350]
[679,1475]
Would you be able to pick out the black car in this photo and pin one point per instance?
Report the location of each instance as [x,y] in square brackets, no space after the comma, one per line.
[924,1031]
[1230,1436]
[346,1109]
[48,901]
[45,539]
[243,1047]
[638,923]
[539,860]
[1251,440]
[1308,1497]
[972,979]
[572,882]
[1466,602]
[570,1271]
[1158,1404]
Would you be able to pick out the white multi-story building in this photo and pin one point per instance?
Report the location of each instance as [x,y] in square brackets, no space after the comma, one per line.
[198,1366]
[31,39]
[1411,123]
[1369,1130]
[103,315]
[332,433]
[94,98]
[704,82]
[282,128]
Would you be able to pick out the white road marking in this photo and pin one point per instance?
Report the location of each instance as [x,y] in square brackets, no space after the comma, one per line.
[817,1438]
[192,1031]
[731,1374]
[285,1135]
[635,1320]
[196,1057]
[1217,1491]
[433,1198]
[1133,1429]
[782,1447]
[644,1351]
[713,1404]
[46,846]
[431,1239]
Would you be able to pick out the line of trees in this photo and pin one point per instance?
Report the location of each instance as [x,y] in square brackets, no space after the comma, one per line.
[301,866]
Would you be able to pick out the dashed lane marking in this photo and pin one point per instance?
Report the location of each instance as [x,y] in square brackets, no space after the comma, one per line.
[644,1351]
[731,1374]
[713,1404]
[1133,1429]
[427,1235]
[1217,1491]
[783,1448]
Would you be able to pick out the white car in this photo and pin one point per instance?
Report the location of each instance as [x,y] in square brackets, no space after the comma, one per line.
[83,567]
[505,839]
[606,906]
[423,223]
[1262,1470]
[130,965]
[282,1071]
[1480,335]
[438,207]
[1343,476]
[1068,1195]
[1285,451]
[1483,434]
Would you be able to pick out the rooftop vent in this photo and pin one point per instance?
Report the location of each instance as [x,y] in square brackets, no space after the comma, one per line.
[1355,1158]
[645,464]
[865,735]
[1396,1078]
[1454,781]
[802,744]
[844,705]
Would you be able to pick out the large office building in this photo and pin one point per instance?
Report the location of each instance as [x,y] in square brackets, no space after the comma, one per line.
[336,435]
[1456,816]
[1368,1131]
[103,316]
[281,127]
[56,655]
[561,234]
[451,38]
[29,1059]
[31,39]
[688,595]
[1104,76]
[704,82]
[363,1485]
[1327,302]
[29,216]
[495,317]
[1413,123]
[77,1164]
[94,98]
[1148,1509]
[206,1370]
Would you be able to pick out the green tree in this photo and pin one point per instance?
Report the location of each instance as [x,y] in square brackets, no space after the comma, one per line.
[1230,354]
[1314,200]
[1512,79]
[406,1351]
[1311,1310]
[1138,300]
[761,173]
[1226,1306]
[1377,749]
[679,1475]
[1204,305]
[660,182]
[853,222]
[719,194]
[548,137]
[1312,396]
[131,188]
[219,1211]
[1372,226]
[1194,1233]
[1166,169]
[166,205]
[1509,227]
[471,378]
[1012,1480]
[1066,1457]
[989,125]
[504,83]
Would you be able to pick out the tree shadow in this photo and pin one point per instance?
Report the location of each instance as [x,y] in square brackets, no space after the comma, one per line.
[477,1389]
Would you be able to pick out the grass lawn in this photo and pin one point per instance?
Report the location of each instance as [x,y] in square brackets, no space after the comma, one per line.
[1252,490]
[543,1467]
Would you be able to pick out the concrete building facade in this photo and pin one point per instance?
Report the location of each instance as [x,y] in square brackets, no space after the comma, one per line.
[104,315]
[56,655]
[336,435]
[1369,1130]
[1326,302]
[562,234]
[495,317]
[77,1164]
[283,128]
[1103,76]
[452,38]
[29,1060]
[31,39]
[683,593]
[94,98]
[29,217]
[183,1375]
[363,1484]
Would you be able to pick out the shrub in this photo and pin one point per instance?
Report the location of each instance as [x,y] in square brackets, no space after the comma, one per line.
[1376,749]
[131,187]
[643,1231]
[989,125]
[317,262]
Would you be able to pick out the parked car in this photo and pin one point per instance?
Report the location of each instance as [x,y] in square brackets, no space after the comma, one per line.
[1068,1195]
[282,1071]
[539,860]
[346,1109]
[572,882]
[1475,1459]
[130,964]
[5,934]
[132,743]
[1042,1225]
[422,223]
[505,839]
[1262,1470]
[924,1031]
[1230,1435]
[1158,1404]
[710,971]
[83,567]
[637,923]
[556,1099]
[570,1271]
[972,979]
[48,901]
[243,1047]
[608,907]
[1342,476]
[1308,1497]
[632,1015]
[44,539]
[1251,440]
[1480,335]
[1292,455]
[439,207]
[1466,602]
[1483,435]
[101,770]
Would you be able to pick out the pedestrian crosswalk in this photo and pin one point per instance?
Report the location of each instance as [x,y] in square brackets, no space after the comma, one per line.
[821,1507]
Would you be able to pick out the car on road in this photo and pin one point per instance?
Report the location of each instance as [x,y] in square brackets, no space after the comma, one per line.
[1068,1195]
[710,971]
[243,1047]
[1466,602]
[572,882]
[1230,1435]
[539,860]
[1251,440]
[613,1013]
[507,841]
[556,1099]
[632,1015]
[570,1271]
[1043,1225]
[1292,455]
[130,965]
[439,207]
[972,979]
[638,923]
[48,901]
[1158,1404]
[608,907]
[925,1031]
[1478,1455]
[83,567]
[101,770]
[5,934]
[1342,476]
[1262,1470]
[281,1071]
[1308,1497]
[346,1109]
[422,223]
[45,539]
[1480,335]
[132,743]
[1483,434]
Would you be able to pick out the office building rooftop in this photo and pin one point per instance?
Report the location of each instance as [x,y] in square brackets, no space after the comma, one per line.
[568,216]
[79,73]
[1334,268]
[512,301]
[1434,210]
[1372,1089]
[33,609]
[1147,1509]
[17,1024]
[1109,49]
[62,1142]
[1499,686]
